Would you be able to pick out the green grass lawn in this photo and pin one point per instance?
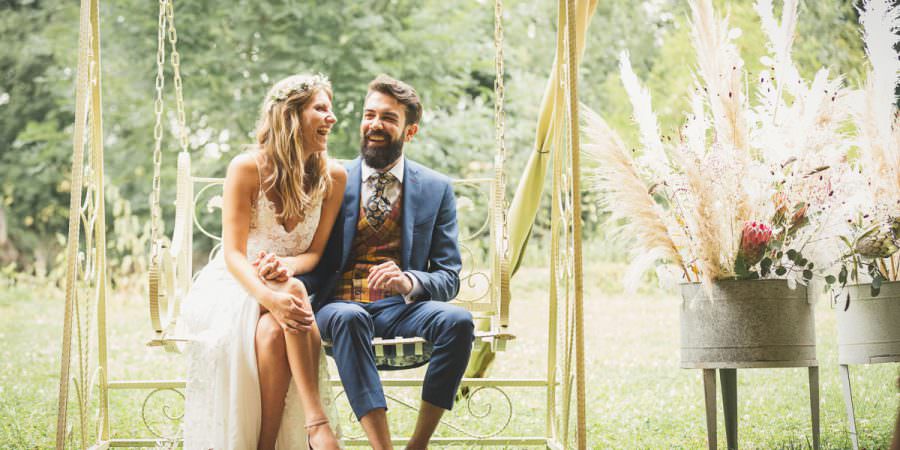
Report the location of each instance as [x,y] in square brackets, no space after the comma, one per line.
[637,396]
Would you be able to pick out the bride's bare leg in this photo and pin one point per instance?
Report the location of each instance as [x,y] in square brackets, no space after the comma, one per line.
[274,377]
[303,355]
[300,356]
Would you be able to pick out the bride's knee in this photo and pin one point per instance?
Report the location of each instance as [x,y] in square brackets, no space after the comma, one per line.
[269,333]
[295,287]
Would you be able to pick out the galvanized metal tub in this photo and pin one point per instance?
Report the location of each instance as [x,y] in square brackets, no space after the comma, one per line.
[746,324]
[869,330]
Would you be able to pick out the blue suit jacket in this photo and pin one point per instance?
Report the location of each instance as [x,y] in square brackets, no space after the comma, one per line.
[429,248]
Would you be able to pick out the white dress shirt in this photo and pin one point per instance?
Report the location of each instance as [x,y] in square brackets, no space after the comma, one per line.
[391,192]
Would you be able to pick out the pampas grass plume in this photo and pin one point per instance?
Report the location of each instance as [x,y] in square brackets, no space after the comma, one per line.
[627,197]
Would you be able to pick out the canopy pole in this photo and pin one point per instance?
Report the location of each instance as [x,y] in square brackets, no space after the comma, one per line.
[88,27]
[97,165]
[575,146]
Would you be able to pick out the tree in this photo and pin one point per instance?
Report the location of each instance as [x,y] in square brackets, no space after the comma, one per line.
[36,146]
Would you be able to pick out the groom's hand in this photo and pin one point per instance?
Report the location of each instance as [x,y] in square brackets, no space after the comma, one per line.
[388,275]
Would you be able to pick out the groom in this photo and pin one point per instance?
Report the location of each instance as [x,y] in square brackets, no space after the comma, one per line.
[391,265]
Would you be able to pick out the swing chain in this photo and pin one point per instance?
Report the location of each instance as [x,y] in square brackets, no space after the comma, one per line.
[500,231]
[176,69]
[499,90]
[165,28]
[158,130]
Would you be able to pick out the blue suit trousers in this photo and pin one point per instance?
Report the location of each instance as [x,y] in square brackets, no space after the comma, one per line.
[351,326]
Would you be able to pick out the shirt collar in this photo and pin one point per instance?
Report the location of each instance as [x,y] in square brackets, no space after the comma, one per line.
[396,171]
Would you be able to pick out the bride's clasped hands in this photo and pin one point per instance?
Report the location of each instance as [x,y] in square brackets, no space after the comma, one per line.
[287,302]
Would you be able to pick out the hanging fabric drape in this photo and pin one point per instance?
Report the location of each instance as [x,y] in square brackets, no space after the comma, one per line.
[549,130]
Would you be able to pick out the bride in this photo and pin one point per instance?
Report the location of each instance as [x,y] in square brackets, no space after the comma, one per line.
[279,204]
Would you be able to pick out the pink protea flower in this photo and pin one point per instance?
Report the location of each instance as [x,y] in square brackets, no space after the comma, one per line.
[754,240]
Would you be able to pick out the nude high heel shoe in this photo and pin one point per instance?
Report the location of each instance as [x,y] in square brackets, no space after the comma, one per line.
[311,424]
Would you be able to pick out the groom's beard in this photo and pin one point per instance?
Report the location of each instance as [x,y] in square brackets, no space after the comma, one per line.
[383,156]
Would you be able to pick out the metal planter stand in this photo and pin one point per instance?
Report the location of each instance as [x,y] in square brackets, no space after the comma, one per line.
[868,333]
[746,324]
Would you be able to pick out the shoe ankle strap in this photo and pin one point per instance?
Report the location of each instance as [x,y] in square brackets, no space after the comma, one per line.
[316,422]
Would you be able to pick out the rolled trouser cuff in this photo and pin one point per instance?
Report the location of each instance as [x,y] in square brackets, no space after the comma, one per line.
[365,401]
[439,399]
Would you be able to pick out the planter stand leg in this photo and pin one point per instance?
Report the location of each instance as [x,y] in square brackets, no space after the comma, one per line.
[709,395]
[729,403]
[814,403]
[848,402]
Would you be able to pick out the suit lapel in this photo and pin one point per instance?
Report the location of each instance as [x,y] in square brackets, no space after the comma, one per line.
[351,207]
[411,194]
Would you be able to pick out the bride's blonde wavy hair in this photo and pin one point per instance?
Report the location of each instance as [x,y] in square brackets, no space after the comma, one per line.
[280,140]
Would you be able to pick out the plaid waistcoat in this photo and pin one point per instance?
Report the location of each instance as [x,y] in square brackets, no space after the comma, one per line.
[370,248]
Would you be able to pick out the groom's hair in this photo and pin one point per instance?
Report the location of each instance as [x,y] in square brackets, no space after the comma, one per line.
[404,93]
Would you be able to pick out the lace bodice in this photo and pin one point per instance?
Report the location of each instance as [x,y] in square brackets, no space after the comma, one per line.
[266,234]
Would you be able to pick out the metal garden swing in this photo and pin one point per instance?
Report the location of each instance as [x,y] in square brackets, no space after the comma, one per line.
[486,291]
[170,273]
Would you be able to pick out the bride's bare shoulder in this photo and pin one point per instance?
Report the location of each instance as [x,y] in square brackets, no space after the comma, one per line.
[243,171]
[243,164]
[337,170]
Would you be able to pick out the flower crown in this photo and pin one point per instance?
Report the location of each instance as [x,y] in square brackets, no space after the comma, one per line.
[296,83]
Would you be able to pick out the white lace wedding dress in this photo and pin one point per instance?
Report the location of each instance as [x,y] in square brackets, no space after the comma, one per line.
[222,397]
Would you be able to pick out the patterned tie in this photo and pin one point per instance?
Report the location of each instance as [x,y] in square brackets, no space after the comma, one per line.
[377,207]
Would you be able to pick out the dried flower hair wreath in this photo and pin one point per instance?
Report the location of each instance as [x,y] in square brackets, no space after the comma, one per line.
[296,83]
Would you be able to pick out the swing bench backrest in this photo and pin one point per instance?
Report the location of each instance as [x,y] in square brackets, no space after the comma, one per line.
[484,281]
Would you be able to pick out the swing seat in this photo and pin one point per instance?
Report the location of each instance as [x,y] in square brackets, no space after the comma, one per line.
[484,292]
[402,353]
[396,354]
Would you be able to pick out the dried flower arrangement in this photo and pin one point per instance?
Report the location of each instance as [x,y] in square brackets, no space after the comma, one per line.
[745,191]
[872,233]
